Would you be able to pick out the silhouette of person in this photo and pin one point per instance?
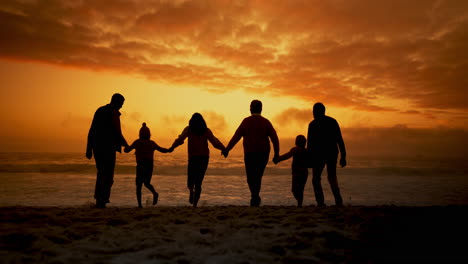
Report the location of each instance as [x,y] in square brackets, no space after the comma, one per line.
[257,132]
[144,152]
[198,135]
[299,168]
[104,139]
[324,141]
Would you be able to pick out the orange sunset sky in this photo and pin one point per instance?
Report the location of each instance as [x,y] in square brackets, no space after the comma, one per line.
[394,70]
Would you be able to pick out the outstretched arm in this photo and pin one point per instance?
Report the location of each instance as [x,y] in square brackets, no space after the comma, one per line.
[214,140]
[116,124]
[180,140]
[285,156]
[127,149]
[237,136]
[274,140]
[161,149]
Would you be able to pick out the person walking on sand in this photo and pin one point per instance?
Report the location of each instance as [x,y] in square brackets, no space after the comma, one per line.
[324,141]
[257,132]
[104,139]
[198,135]
[144,152]
[299,168]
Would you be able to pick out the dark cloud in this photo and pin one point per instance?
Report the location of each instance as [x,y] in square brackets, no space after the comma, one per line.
[402,141]
[352,54]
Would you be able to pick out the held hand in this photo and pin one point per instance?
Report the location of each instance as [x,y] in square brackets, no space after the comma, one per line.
[225,153]
[127,149]
[275,160]
[343,162]
[170,149]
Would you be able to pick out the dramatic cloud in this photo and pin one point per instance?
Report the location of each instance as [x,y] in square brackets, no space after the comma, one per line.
[364,55]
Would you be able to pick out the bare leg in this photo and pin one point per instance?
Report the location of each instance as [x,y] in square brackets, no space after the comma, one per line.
[138,194]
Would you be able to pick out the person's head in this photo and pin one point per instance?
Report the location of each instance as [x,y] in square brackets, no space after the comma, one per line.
[117,101]
[256,107]
[145,132]
[197,124]
[301,141]
[318,110]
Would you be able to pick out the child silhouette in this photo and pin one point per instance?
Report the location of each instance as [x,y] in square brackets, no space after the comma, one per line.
[298,167]
[144,152]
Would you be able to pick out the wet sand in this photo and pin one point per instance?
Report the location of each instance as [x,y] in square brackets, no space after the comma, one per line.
[233,234]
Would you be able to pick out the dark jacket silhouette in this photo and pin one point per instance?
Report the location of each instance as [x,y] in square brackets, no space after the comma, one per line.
[325,139]
[324,142]
[104,139]
[257,132]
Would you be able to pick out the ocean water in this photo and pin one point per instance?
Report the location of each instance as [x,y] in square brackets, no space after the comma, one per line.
[67,179]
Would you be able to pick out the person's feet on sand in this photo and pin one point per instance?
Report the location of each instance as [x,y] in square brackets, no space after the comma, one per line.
[155,198]
[321,205]
[255,202]
[100,206]
[299,202]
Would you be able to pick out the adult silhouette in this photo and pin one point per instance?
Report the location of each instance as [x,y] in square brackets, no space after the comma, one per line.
[324,141]
[257,132]
[104,139]
[198,135]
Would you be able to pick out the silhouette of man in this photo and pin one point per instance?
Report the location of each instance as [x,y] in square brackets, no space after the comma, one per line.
[257,132]
[104,139]
[324,140]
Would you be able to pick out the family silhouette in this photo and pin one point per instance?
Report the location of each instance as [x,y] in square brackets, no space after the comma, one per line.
[321,148]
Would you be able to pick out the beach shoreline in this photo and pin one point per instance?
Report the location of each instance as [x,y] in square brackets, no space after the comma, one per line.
[233,234]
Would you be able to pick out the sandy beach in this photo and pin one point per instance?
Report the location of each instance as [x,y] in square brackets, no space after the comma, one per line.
[233,234]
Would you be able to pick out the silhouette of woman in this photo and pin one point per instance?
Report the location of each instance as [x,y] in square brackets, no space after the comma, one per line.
[198,135]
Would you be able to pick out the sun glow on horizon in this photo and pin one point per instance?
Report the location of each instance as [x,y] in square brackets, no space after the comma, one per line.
[60,61]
